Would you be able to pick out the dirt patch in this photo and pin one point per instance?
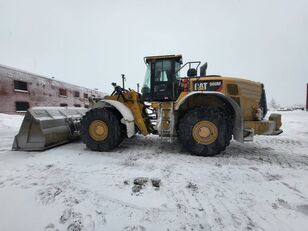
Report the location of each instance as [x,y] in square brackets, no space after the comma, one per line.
[192,186]
[140,183]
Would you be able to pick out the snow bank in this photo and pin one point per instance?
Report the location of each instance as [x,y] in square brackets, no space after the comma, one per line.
[10,121]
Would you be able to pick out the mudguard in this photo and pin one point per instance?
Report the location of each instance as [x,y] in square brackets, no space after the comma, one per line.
[238,119]
[128,117]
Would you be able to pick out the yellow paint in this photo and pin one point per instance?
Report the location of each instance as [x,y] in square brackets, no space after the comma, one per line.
[181,96]
[248,98]
[98,130]
[249,93]
[205,132]
[277,119]
[260,127]
[132,101]
[162,105]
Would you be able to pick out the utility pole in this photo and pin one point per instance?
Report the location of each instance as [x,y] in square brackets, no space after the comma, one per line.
[138,87]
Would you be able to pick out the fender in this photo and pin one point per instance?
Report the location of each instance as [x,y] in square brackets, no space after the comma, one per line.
[238,120]
[128,118]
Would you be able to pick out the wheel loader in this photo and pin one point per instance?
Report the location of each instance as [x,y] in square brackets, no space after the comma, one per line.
[204,112]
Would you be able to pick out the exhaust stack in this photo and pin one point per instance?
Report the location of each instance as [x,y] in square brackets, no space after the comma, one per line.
[203,69]
[47,127]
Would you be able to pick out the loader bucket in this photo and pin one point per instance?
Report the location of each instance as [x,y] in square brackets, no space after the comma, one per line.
[46,127]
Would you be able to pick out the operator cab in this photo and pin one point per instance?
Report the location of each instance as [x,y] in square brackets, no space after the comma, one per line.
[162,78]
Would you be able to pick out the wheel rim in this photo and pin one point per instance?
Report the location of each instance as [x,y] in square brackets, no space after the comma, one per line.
[98,130]
[205,132]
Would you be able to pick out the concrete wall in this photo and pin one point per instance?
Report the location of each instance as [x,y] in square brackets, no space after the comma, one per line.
[41,91]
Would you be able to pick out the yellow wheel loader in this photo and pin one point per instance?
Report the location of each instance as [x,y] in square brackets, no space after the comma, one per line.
[203,111]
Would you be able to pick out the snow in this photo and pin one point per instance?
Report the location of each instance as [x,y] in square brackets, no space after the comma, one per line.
[261,185]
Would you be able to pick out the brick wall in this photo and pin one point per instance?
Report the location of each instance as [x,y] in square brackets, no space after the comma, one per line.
[41,91]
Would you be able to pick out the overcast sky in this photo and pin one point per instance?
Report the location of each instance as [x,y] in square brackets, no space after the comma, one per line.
[90,43]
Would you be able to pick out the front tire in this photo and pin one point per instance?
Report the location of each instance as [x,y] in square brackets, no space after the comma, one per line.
[204,131]
[101,130]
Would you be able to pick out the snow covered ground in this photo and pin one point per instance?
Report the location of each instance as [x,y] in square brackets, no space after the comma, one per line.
[253,186]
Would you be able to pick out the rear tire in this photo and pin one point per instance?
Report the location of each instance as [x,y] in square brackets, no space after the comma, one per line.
[205,131]
[101,130]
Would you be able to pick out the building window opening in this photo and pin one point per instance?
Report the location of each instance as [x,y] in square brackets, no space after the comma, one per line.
[86,106]
[62,92]
[20,85]
[22,106]
[76,94]
[63,104]
[85,95]
[77,105]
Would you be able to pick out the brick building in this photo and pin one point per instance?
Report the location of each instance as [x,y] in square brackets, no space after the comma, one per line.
[20,90]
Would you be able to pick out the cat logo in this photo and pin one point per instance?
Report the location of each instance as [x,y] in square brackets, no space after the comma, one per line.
[207,85]
[200,86]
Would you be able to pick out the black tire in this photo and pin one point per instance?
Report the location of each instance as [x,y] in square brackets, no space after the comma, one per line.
[214,116]
[114,135]
[229,130]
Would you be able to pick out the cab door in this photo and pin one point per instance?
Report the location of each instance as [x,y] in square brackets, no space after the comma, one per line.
[162,78]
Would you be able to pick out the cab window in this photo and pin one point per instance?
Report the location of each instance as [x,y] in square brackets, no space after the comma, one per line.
[163,71]
[147,80]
